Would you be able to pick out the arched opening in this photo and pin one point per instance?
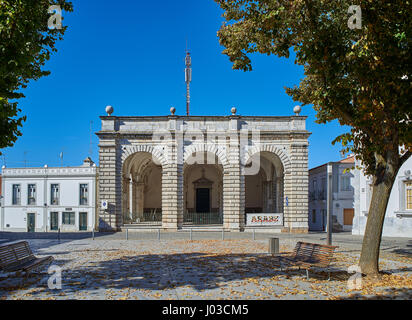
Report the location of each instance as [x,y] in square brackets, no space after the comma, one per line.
[264,190]
[203,190]
[141,189]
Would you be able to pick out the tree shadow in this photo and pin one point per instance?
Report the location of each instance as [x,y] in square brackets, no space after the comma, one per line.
[197,270]
[200,271]
[405,252]
[387,294]
[12,281]
[49,239]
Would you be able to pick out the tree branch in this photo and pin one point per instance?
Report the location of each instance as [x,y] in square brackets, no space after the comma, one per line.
[405,157]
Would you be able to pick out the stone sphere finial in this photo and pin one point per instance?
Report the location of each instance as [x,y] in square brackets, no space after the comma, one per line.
[109,110]
[172,110]
[233,110]
[297,110]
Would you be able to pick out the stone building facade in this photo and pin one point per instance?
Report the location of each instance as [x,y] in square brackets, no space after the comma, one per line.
[49,199]
[170,169]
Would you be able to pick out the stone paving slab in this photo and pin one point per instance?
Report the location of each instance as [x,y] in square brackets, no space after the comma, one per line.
[199,269]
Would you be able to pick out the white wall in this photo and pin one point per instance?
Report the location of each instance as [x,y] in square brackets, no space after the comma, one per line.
[398,220]
[14,217]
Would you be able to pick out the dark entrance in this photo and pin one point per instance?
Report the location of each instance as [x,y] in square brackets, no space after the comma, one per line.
[54,221]
[31,222]
[202,200]
[83,221]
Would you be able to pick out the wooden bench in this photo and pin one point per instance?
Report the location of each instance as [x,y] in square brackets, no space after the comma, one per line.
[308,255]
[17,256]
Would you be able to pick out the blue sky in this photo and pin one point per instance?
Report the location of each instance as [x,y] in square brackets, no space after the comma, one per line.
[130,55]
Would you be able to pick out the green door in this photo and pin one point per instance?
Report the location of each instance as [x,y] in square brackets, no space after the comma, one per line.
[54,221]
[31,222]
[83,221]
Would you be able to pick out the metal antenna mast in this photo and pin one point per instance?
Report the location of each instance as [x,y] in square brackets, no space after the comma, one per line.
[188,79]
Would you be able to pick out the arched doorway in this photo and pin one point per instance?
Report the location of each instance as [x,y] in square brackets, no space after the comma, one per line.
[203,190]
[141,189]
[264,190]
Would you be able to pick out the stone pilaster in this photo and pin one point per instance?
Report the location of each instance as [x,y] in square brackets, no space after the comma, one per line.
[172,186]
[296,190]
[139,201]
[110,185]
[172,197]
[233,184]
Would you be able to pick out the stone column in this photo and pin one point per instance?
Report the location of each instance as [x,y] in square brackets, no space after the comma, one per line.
[139,201]
[279,195]
[131,206]
[296,189]
[275,195]
[265,199]
[233,183]
[270,207]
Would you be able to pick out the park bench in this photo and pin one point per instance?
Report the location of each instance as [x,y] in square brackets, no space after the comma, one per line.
[17,256]
[308,255]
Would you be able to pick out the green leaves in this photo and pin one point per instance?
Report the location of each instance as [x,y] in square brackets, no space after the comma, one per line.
[354,76]
[26,44]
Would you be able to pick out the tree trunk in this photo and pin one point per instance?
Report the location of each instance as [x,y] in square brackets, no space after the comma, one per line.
[382,186]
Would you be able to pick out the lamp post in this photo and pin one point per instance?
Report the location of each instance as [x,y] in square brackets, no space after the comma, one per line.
[329,204]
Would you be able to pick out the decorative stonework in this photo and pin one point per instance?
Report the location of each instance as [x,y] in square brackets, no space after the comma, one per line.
[121,138]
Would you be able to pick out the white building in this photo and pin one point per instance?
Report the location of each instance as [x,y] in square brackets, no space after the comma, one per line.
[48,199]
[342,195]
[398,218]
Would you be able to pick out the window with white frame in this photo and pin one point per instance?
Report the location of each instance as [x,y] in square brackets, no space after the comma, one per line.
[54,194]
[408,189]
[84,194]
[68,218]
[31,194]
[345,183]
[16,194]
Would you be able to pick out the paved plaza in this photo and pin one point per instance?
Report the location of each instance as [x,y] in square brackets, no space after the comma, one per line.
[206,267]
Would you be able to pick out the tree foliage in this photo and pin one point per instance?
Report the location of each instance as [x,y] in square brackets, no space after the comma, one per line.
[26,43]
[361,77]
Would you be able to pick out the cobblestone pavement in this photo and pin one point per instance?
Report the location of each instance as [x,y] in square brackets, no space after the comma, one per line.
[110,268]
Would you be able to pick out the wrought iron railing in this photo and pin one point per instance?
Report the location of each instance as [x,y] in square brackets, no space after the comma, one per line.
[145,217]
[152,217]
[202,218]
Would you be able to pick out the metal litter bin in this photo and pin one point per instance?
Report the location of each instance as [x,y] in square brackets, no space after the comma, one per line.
[273,246]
